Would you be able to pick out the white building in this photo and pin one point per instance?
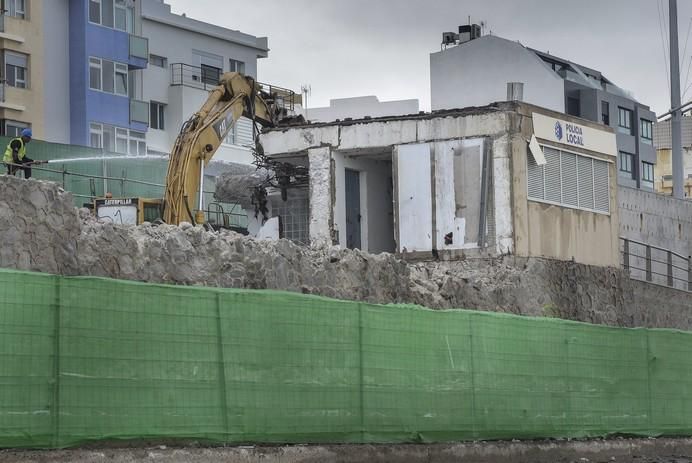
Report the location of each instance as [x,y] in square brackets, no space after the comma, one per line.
[186,59]
[477,71]
[359,107]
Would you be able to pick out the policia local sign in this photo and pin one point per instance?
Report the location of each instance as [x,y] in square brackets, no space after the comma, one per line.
[567,133]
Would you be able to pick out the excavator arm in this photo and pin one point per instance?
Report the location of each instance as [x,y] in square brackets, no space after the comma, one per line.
[236,95]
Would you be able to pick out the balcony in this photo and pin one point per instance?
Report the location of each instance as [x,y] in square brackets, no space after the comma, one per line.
[139,112]
[207,77]
[139,52]
[202,78]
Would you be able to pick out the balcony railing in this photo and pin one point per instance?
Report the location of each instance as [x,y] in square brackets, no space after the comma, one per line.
[207,77]
[203,78]
[139,47]
[139,112]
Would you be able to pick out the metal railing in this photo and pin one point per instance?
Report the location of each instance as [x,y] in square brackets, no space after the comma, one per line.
[207,78]
[656,265]
[203,78]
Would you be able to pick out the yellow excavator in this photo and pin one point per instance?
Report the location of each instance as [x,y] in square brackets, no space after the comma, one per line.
[199,138]
[236,95]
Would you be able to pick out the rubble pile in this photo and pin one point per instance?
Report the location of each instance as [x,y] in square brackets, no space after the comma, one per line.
[42,232]
[237,183]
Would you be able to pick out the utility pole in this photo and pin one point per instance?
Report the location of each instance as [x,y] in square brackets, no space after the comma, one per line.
[676,122]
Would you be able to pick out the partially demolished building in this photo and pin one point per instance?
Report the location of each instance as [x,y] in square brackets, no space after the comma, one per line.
[505,178]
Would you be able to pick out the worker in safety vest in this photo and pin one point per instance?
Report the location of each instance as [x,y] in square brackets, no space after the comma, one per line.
[15,155]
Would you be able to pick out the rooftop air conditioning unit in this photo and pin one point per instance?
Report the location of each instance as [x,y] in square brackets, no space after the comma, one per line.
[449,38]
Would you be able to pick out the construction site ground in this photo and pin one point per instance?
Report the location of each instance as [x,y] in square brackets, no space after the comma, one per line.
[589,451]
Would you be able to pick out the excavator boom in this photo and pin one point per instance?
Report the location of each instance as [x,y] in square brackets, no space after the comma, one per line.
[235,96]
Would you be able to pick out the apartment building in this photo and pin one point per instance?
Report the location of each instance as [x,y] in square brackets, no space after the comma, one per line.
[186,60]
[21,87]
[476,71]
[124,74]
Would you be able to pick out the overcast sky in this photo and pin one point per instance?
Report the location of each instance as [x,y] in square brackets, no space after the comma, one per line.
[345,48]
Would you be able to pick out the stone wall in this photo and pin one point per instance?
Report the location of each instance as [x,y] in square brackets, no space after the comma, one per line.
[42,232]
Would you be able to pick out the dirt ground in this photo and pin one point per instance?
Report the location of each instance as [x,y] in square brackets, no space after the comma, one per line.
[587,451]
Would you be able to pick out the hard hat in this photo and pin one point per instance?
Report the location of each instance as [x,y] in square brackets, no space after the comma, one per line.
[27,133]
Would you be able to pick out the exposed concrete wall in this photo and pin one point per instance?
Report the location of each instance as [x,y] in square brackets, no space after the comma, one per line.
[321,195]
[367,138]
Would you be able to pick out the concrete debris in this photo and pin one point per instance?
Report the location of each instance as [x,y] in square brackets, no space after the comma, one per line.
[43,232]
[237,184]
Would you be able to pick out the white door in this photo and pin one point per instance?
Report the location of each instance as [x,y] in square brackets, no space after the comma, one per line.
[414,197]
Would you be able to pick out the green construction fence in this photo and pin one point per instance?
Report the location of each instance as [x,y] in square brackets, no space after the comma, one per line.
[87,359]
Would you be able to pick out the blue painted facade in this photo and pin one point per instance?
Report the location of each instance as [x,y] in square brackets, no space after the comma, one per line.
[86,40]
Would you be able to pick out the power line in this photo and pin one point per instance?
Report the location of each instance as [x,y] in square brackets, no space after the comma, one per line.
[662,29]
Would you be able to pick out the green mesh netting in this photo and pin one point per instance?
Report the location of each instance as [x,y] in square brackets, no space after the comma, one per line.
[84,359]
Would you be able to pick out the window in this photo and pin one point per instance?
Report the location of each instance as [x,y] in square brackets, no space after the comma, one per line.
[95,11]
[95,74]
[117,139]
[626,163]
[210,75]
[114,14]
[11,128]
[121,140]
[120,15]
[138,143]
[159,61]
[570,180]
[16,69]
[121,79]
[108,76]
[647,131]
[156,116]
[108,138]
[15,8]
[237,66]
[605,113]
[573,106]
[625,121]
[96,135]
[241,134]
[648,173]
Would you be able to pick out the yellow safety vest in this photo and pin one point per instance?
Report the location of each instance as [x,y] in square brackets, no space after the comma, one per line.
[8,151]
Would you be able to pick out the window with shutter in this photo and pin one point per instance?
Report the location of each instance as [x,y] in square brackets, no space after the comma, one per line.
[601,186]
[570,195]
[570,180]
[553,187]
[535,179]
[585,173]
